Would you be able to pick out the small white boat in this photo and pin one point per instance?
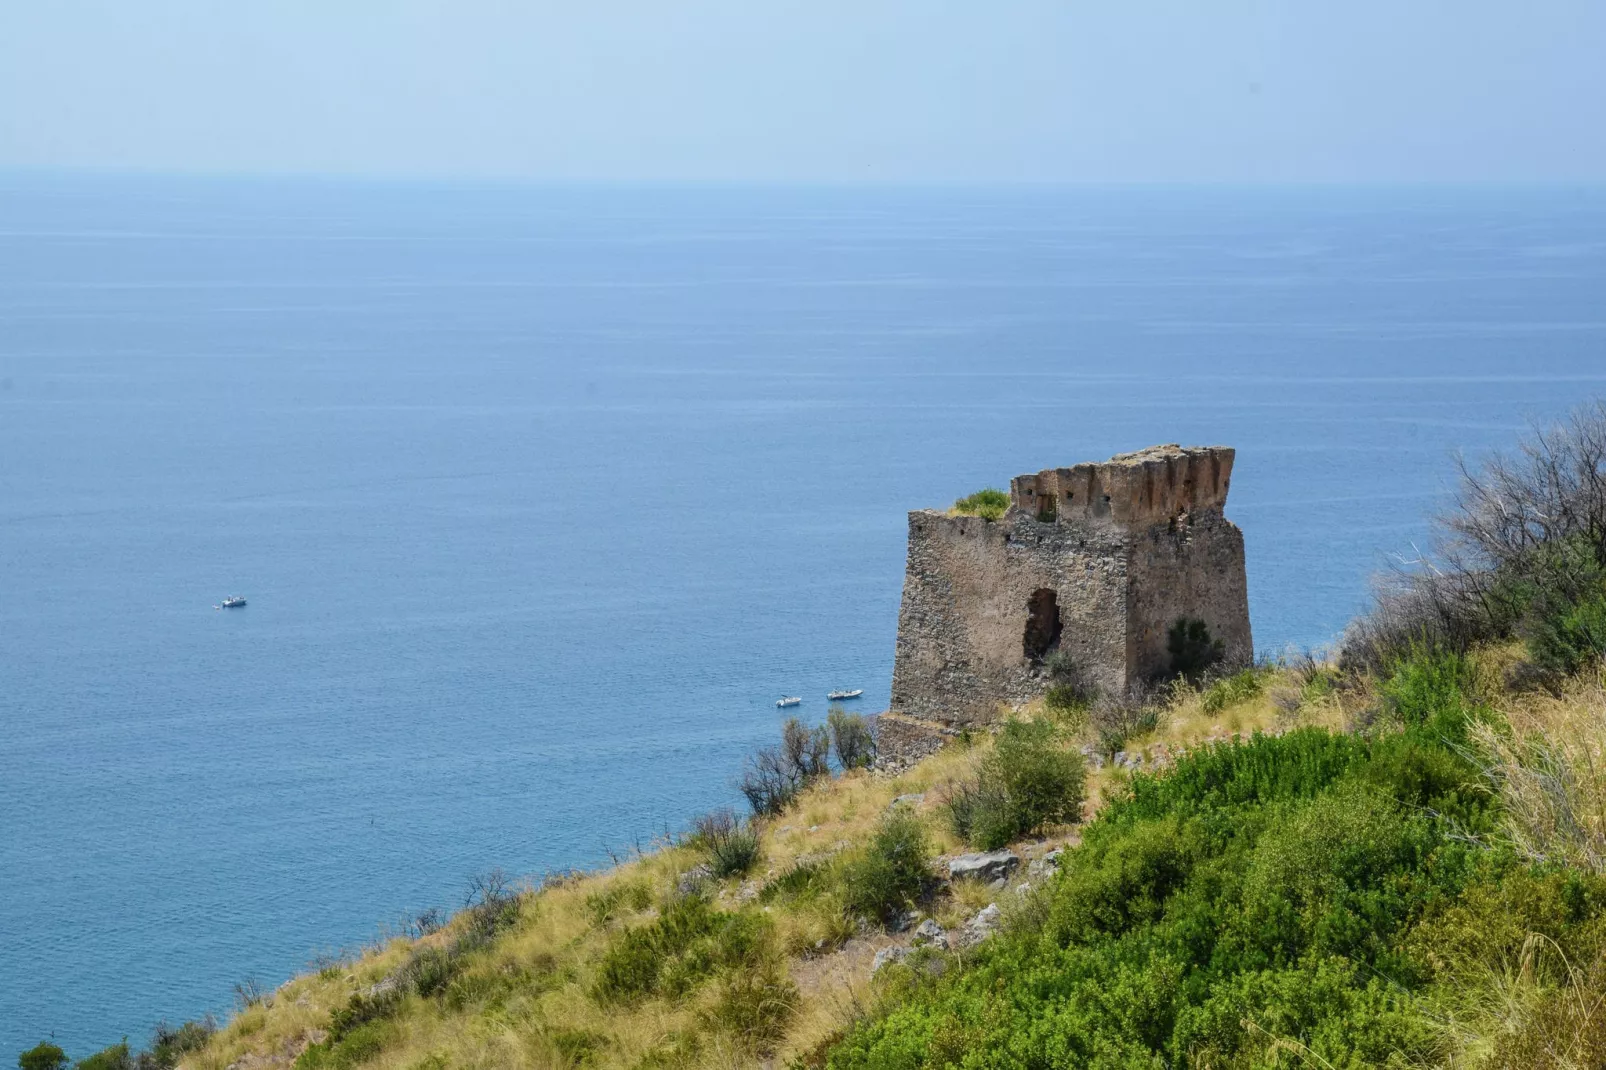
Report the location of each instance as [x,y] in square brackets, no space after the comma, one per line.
[855,693]
[232,602]
[790,700]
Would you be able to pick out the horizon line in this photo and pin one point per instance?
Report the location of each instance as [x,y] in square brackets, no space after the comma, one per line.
[469,179]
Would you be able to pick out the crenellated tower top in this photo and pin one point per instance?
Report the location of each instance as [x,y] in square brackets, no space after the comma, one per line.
[1152,486]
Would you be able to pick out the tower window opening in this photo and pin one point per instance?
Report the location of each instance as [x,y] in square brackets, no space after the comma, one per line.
[1043,624]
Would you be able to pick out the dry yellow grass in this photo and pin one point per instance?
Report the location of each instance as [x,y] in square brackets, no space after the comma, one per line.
[1547,759]
[540,973]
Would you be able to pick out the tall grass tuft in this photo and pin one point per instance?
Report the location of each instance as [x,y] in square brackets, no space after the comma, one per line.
[1548,766]
[730,845]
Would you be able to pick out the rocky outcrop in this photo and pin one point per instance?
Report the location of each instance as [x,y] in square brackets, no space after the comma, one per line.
[985,866]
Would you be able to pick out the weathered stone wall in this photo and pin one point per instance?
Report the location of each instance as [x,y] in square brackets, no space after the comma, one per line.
[967,585]
[1097,560]
[1193,567]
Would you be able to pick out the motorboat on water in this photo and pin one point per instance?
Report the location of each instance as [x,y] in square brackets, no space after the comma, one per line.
[232,602]
[836,695]
[790,700]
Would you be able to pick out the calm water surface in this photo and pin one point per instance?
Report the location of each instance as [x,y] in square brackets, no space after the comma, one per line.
[541,496]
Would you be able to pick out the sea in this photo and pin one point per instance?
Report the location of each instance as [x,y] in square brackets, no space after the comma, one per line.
[540,496]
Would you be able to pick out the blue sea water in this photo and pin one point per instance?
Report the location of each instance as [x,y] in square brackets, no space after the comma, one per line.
[541,496]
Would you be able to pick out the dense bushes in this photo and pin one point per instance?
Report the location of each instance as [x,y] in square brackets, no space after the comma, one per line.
[1025,783]
[887,875]
[774,776]
[689,943]
[1281,901]
[989,504]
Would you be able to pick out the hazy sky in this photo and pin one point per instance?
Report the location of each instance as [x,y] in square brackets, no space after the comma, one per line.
[1186,90]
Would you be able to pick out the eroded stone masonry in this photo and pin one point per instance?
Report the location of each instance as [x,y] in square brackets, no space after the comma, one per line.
[1097,560]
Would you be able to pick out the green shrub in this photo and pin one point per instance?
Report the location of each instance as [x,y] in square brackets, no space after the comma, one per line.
[979,813]
[1239,687]
[429,970]
[1027,782]
[1192,651]
[576,1047]
[851,739]
[989,504]
[1070,687]
[115,1057]
[356,1046]
[1568,637]
[730,845]
[617,898]
[169,1045]
[889,873]
[363,1009]
[42,1056]
[688,942]
[1431,690]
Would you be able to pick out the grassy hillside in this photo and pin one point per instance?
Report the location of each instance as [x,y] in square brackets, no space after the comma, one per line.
[1397,860]
[771,965]
[1344,884]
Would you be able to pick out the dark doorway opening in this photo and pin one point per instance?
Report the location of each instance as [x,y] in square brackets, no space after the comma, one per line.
[1042,622]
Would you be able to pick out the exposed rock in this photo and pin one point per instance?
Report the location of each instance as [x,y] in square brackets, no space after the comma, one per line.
[383,986]
[929,932]
[747,892]
[907,800]
[1042,867]
[980,927]
[694,878]
[899,923]
[988,866]
[998,885]
[888,955]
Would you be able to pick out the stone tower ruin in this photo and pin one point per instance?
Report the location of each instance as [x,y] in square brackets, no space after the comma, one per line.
[1096,560]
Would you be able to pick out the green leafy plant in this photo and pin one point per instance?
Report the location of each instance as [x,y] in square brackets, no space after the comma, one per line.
[1274,882]
[890,873]
[42,1056]
[1027,782]
[1193,652]
[116,1057]
[852,741]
